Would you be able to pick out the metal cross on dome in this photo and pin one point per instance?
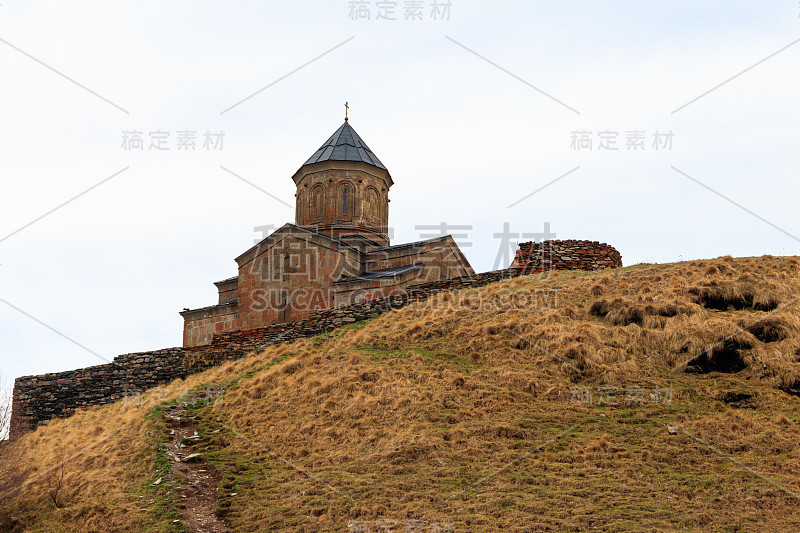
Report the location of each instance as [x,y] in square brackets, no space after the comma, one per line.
[346,110]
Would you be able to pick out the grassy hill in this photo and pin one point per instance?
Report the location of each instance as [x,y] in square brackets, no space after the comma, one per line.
[650,398]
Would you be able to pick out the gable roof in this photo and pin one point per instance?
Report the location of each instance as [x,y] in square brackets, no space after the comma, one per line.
[298,232]
[345,145]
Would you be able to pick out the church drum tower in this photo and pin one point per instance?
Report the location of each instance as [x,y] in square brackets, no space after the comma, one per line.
[343,191]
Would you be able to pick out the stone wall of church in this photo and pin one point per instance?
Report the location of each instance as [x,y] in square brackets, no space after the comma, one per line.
[344,197]
[228,290]
[282,279]
[200,325]
[286,280]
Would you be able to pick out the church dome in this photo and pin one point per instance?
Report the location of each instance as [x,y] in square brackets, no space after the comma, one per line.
[345,145]
[343,191]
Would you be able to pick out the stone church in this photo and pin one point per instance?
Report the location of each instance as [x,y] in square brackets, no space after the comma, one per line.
[336,253]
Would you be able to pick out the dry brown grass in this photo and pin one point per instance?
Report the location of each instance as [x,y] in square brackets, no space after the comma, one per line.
[661,316]
[14,465]
[413,416]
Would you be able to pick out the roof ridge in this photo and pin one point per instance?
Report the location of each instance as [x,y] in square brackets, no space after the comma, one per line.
[415,243]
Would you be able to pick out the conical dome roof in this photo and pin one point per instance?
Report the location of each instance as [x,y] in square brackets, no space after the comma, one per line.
[345,145]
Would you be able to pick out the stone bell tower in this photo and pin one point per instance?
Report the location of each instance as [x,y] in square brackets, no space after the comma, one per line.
[343,191]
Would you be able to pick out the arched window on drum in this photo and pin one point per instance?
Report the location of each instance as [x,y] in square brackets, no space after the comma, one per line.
[373,207]
[346,200]
[317,203]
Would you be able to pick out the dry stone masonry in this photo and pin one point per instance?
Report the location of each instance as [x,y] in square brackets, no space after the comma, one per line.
[565,255]
[38,399]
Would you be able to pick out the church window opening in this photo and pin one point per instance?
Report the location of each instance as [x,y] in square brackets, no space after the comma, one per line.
[316,203]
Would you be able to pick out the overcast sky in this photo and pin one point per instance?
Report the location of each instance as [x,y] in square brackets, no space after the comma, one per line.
[472,111]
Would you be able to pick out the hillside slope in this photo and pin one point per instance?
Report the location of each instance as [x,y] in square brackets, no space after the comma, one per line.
[650,398]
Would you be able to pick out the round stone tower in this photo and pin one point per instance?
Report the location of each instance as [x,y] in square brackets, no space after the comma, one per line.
[343,191]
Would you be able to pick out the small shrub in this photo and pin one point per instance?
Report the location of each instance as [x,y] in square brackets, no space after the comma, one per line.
[596,289]
[600,308]
[770,329]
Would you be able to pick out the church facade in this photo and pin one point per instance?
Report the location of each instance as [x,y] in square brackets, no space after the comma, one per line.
[336,253]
